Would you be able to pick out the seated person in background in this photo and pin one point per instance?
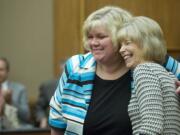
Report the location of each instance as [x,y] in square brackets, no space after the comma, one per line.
[46,91]
[8,114]
[14,93]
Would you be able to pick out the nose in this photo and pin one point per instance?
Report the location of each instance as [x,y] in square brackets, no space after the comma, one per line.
[94,41]
[122,49]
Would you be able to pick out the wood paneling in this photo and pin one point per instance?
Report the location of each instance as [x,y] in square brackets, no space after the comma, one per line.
[174,53]
[70,14]
[33,131]
[165,12]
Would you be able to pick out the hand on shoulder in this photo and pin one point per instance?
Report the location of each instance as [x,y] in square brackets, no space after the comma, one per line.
[178,87]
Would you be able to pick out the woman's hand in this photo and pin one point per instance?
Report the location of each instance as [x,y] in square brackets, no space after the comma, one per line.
[178,87]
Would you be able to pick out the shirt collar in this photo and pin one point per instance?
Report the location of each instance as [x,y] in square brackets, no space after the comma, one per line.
[88,62]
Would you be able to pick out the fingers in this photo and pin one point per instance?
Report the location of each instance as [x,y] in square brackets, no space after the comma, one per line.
[178,90]
[177,83]
[178,87]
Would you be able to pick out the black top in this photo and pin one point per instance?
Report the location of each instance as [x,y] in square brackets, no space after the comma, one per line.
[108,110]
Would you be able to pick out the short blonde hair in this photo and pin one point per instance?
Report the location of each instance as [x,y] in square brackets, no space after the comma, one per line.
[111,17]
[148,35]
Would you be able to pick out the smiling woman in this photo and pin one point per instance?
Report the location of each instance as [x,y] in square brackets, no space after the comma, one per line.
[150,107]
[81,98]
[142,36]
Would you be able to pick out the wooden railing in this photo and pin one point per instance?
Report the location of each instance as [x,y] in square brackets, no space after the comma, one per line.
[33,131]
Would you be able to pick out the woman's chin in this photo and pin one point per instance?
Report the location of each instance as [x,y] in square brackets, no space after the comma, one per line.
[130,66]
[98,58]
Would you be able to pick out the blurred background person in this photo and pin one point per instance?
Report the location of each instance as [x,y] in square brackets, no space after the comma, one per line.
[14,93]
[46,90]
[8,114]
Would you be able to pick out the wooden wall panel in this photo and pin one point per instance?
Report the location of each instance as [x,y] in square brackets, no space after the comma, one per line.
[70,14]
[165,12]
[67,29]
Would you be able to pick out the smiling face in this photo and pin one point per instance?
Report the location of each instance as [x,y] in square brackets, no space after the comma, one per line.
[131,53]
[101,46]
[142,40]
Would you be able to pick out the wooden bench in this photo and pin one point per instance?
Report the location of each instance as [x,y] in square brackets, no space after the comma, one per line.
[33,131]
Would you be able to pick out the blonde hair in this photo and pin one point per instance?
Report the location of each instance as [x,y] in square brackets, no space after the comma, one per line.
[111,17]
[148,35]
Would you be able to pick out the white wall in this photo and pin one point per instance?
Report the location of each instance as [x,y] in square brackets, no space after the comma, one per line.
[26,39]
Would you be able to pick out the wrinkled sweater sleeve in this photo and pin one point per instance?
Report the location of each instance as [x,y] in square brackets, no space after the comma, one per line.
[150,100]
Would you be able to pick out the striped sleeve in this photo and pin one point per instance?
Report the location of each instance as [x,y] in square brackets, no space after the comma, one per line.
[173,66]
[55,115]
[150,100]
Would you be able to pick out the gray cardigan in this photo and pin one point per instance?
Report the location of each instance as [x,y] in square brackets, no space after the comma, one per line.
[154,107]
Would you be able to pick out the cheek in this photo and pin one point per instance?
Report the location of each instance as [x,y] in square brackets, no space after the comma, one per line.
[109,45]
[106,41]
[89,46]
[116,48]
[88,43]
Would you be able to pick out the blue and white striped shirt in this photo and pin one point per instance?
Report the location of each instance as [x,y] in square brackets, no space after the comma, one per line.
[68,106]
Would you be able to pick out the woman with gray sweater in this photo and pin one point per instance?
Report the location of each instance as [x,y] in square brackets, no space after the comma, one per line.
[154,107]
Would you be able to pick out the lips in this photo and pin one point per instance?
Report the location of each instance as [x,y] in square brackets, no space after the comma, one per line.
[126,56]
[96,50]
